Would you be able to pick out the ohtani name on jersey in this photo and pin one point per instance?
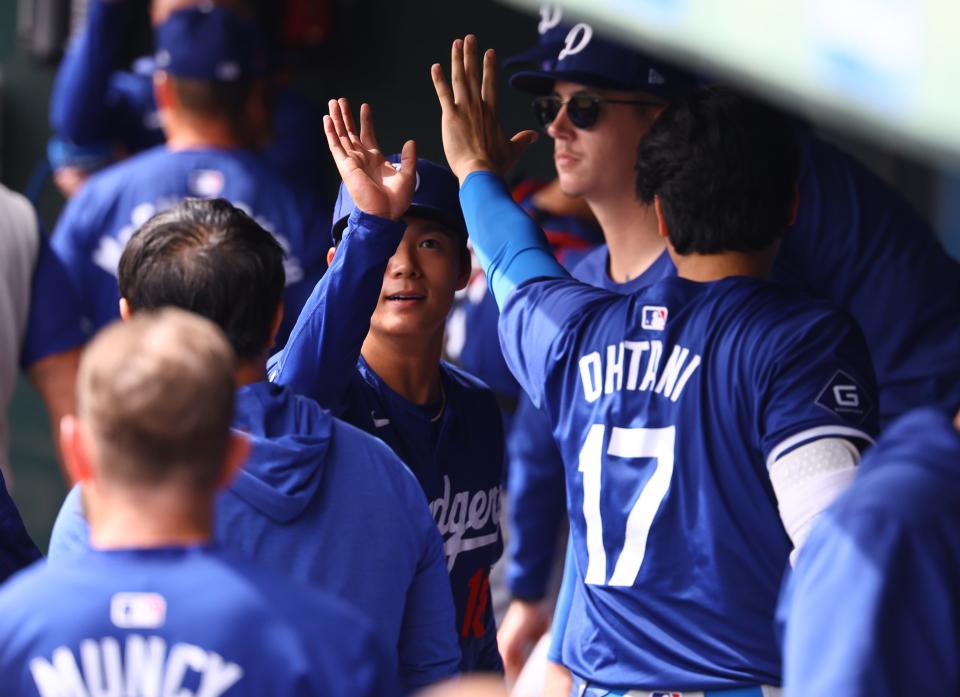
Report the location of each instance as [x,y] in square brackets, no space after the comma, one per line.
[635,365]
[465,512]
[143,667]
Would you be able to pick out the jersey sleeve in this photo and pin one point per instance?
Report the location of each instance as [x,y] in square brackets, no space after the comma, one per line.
[71,242]
[510,246]
[324,345]
[428,649]
[870,611]
[79,111]
[817,381]
[537,326]
[54,323]
[71,532]
[535,489]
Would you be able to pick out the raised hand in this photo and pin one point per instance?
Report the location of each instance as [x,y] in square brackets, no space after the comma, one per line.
[375,185]
[472,137]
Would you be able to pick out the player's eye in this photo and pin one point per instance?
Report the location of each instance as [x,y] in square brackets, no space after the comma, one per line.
[430,243]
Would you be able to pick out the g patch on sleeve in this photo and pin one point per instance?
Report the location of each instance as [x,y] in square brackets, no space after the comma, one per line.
[844,397]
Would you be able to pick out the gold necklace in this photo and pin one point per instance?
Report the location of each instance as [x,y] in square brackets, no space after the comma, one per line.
[443,403]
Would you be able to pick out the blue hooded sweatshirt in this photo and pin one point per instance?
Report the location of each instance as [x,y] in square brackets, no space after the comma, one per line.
[332,506]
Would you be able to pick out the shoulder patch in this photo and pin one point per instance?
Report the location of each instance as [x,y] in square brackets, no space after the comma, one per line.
[844,397]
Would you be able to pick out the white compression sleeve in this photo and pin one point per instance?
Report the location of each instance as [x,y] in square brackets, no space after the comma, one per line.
[807,479]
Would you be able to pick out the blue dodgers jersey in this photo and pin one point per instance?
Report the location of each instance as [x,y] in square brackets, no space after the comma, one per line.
[458,459]
[97,223]
[180,620]
[459,464]
[669,405]
[54,323]
[328,505]
[535,475]
[871,606]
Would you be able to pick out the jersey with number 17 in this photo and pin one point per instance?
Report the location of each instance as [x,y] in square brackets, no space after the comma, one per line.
[669,405]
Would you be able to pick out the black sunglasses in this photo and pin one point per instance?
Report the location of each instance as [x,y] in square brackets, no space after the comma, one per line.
[582,109]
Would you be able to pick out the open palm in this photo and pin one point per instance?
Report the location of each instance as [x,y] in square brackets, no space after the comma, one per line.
[374,184]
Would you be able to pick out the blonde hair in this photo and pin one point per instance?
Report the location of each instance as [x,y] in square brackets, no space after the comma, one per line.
[156,393]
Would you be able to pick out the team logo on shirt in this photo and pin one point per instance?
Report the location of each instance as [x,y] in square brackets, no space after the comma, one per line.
[463,513]
[653,317]
[138,610]
[843,396]
[206,183]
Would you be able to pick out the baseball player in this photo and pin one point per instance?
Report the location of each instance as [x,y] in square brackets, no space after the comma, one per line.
[870,607]
[703,421]
[368,342]
[154,607]
[317,499]
[208,59]
[855,242]
[100,114]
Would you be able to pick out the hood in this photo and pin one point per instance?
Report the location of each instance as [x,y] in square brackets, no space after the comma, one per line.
[925,436]
[290,436]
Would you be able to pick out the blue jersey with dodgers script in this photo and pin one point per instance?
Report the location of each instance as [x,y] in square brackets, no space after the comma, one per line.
[455,447]
[180,620]
[327,504]
[871,606]
[97,223]
[668,406]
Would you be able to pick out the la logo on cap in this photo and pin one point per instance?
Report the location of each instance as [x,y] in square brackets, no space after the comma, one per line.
[550,17]
[577,39]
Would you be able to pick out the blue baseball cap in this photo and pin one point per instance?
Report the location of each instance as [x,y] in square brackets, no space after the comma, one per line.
[437,197]
[209,43]
[582,56]
[551,32]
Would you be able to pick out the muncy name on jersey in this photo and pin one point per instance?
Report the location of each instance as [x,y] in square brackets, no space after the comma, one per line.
[144,667]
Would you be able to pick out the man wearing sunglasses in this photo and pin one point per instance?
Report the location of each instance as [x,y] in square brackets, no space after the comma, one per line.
[855,242]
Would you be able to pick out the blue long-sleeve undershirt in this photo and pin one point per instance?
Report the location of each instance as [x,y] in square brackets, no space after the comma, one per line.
[510,246]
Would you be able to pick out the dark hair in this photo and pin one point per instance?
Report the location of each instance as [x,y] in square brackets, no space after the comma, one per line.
[725,169]
[209,257]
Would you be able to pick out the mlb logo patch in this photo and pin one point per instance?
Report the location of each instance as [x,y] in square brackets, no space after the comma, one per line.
[206,183]
[138,610]
[653,317]
[666,694]
[843,396]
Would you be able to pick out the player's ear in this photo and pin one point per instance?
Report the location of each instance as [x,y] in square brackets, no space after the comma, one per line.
[330,253]
[125,312]
[662,229]
[238,450]
[76,457]
[162,90]
[275,327]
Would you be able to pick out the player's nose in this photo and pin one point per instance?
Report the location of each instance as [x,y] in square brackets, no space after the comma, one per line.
[561,127]
[403,262]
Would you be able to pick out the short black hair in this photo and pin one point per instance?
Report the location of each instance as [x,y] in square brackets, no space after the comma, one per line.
[725,168]
[211,258]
